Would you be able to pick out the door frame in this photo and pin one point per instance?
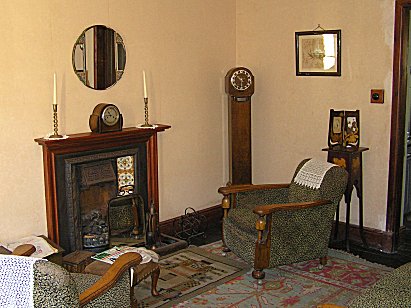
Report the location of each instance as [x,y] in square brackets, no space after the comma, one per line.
[398,129]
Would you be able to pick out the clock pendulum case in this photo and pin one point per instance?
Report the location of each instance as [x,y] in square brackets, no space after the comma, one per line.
[239,85]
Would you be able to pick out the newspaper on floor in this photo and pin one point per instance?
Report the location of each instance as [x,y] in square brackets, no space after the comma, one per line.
[111,255]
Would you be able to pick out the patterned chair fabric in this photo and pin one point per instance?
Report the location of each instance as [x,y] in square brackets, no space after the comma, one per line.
[56,287]
[53,286]
[296,235]
[392,291]
[117,296]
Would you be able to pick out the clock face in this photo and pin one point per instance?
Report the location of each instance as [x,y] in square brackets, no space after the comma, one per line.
[110,115]
[241,80]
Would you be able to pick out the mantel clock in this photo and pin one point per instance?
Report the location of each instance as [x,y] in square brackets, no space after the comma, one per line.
[106,118]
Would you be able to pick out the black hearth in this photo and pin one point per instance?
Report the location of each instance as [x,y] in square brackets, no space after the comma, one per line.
[91,181]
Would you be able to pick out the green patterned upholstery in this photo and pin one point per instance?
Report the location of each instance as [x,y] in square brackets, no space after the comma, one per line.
[117,296]
[56,287]
[392,291]
[296,235]
[53,286]
[261,197]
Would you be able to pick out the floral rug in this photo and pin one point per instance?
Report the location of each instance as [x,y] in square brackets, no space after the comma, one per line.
[298,285]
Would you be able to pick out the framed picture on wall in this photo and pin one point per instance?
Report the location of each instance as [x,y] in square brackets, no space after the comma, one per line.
[318,53]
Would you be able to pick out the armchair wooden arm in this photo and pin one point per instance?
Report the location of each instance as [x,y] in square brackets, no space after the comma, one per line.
[263,210]
[232,189]
[226,191]
[24,250]
[122,264]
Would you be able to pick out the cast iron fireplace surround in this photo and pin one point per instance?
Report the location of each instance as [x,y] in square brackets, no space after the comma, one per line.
[64,160]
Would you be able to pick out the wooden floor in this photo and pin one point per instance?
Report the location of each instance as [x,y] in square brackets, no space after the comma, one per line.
[213,234]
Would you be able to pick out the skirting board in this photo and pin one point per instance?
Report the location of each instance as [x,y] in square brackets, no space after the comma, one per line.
[213,214]
[376,239]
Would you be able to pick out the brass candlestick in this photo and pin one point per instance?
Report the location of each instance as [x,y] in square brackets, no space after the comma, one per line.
[55,123]
[146,124]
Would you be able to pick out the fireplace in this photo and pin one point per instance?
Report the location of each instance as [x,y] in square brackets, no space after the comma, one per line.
[86,172]
[91,180]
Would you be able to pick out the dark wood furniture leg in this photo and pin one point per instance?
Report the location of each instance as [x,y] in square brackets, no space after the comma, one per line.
[347,198]
[337,219]
[154,279]
[351,160]
[226,205]
[358,187]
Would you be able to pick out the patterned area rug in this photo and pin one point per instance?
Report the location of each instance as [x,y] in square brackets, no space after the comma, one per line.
[187,273]
[297,285]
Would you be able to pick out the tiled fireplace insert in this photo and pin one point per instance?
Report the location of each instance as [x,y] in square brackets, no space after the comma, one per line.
[85,171]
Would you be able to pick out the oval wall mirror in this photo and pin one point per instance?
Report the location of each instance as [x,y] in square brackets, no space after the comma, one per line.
[99,57]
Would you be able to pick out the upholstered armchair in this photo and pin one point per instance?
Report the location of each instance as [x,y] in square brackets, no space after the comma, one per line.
[275,224]
[53,286]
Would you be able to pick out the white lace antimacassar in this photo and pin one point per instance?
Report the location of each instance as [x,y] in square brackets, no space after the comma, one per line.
[312,173]
[16,281]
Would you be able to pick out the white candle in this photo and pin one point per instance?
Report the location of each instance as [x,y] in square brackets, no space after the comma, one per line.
[144,84]
[55,90]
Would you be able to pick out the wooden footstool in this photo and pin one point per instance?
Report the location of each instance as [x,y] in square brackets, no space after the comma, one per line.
[77,261]
[140,272]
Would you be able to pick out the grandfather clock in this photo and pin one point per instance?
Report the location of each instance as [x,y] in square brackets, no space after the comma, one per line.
[239,85]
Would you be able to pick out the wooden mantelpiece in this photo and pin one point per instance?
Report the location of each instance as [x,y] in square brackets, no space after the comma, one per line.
[89,142]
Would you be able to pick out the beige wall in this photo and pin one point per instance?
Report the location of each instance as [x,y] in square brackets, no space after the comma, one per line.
[290,114]
[184,46]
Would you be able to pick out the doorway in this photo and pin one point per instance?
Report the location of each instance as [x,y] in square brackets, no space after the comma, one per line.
[406,207]
[399,124]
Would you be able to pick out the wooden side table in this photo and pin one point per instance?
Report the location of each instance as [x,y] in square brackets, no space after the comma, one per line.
[351,160]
